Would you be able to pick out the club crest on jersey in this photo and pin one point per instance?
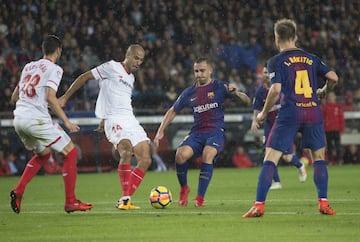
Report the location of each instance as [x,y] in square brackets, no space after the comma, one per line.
[271,75]
[211,95]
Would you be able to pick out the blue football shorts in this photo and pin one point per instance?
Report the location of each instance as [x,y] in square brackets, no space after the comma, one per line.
[282,136]
[197,141]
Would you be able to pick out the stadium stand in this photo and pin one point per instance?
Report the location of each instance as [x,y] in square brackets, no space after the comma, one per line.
[237,35]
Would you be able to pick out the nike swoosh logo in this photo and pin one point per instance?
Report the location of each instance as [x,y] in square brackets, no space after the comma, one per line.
[193,99]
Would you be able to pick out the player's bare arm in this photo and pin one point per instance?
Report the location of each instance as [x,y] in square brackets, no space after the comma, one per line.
[79,82]
[168,118]
[15,95]
[331,82]
[242,96]
[56,108]
[255,125]
[271,99]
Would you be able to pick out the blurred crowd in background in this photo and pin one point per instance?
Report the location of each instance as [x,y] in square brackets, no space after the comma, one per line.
[236,34]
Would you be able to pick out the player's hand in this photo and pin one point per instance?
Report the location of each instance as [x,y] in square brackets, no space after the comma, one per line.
[72,127]
[100,128]
[255,126]
[230,87]
[320,93]
[158,137]
[260,118]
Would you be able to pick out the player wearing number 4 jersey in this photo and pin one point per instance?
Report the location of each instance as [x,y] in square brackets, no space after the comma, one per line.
[36,91]
[293,72]
[113,107]
[289,155]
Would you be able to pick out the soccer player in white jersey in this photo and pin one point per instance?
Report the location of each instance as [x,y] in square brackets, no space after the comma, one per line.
[113,107]
[35,92]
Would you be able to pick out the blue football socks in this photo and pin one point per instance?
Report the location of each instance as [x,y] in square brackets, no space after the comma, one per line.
[276,175]
[321,178]
[206,171]
[181,172]
[264,182]
[295,161]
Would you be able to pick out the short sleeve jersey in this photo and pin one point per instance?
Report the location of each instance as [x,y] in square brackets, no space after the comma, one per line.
[206,103]
[116,86]
[258,104]
[34,80]
[297,71]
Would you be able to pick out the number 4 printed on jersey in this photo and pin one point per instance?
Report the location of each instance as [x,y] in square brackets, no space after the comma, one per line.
[302,84]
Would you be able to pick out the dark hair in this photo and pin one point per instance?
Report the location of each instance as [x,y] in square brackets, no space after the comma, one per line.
[50,44]
[204,59]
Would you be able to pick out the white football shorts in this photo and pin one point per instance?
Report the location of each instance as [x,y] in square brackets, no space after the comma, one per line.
[37,134]
[119,128]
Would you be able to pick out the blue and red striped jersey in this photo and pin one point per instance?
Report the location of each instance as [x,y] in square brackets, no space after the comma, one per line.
[258,104]
[206,103]
[298,71]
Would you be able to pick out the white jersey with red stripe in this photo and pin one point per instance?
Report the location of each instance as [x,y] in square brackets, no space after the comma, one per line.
[116,86]
[35,78]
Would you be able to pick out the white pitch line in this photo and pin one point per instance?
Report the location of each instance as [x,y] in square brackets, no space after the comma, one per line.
[170,212]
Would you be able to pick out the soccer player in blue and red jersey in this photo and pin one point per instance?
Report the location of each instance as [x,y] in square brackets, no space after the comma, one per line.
[258,104]
[293,73]
[207,136]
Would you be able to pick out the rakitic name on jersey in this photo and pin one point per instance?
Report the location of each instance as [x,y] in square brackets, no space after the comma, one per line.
[299,59]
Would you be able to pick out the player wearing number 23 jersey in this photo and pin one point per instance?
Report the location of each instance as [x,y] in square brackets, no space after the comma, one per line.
[34,94]
[35,77]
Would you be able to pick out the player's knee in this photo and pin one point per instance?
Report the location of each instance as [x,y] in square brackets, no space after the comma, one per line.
[68,148]
[287,158]
[180,157]
[125,154]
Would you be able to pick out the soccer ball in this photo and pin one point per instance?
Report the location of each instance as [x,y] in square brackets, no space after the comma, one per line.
[160,197]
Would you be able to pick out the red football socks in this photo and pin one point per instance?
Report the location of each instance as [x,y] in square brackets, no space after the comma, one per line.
[124,171]
[69,173]
[32,168]
[135,179]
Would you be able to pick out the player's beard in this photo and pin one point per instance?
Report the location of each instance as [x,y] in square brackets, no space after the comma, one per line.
[201,80]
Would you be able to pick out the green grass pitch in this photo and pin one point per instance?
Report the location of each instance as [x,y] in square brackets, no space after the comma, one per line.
[290,215]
